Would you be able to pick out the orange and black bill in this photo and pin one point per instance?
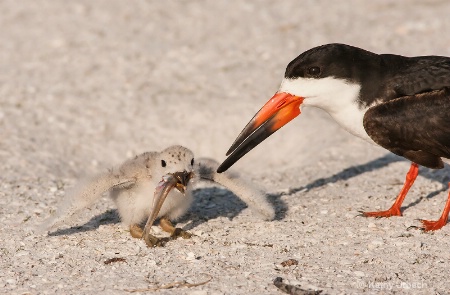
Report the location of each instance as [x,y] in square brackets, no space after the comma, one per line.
[277,112]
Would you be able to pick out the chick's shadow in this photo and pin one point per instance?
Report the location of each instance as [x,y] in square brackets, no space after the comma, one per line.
[213,202]
[108,217]
[209,203]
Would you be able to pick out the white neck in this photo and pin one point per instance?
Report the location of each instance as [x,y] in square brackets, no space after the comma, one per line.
[335,96]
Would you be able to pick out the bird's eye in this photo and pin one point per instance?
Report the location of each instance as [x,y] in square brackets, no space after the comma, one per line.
[314,71]
[163,163]
[192,162]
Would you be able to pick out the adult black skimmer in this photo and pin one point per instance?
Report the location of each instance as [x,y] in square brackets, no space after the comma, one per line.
[400,103]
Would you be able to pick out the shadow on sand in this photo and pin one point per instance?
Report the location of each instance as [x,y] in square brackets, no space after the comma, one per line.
[209,203]
[213,202]
[442,176]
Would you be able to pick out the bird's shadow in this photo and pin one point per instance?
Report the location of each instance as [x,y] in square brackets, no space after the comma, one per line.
[442,176]
[347,173]
[108,217]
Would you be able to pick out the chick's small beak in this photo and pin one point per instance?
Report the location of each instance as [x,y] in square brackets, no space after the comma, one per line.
[183,180]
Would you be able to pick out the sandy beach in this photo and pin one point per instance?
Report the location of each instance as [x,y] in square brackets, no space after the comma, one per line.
[85,85]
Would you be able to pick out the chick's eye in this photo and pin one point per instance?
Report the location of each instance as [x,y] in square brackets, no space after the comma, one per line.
[163,163]
[314,71]
[192,162]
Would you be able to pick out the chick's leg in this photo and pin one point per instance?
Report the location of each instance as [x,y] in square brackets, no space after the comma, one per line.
[136,231]
[174,232]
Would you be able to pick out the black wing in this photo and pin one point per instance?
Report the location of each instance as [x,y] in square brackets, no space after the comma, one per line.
[398,76]
[416,127]
[422,74]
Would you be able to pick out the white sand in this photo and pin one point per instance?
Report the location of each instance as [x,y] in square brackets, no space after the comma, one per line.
[86,84]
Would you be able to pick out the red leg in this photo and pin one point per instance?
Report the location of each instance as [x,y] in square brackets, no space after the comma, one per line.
[395,209]
[435,225]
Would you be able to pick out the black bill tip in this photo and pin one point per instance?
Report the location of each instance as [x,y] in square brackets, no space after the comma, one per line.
[263,131]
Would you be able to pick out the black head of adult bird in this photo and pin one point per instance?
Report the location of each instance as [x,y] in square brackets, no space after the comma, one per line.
[400,103]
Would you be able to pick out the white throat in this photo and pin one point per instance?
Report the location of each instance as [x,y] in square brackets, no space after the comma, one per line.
[335,96]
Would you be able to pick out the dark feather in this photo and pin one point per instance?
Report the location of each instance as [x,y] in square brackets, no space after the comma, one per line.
[416,127]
